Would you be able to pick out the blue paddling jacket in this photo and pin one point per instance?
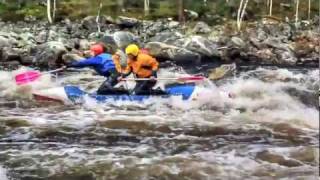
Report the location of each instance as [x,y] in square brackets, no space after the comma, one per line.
[102,64]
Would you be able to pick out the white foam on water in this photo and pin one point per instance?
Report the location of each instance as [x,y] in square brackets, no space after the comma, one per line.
[263,101]
[9,88]
[268,101]
[230,160]
[3,174]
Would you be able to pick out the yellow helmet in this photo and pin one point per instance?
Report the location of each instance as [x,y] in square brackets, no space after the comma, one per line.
[132,49]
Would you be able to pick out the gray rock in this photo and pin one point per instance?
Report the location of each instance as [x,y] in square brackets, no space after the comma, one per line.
[127,22]
[200,45]
[8,38]
[168,52]
[84,44]
[71,57]
[4,42]
[167,37]
[283,51]
[222,71]
[42,37]
[27,60]
[27,36]
[10,64]
[201,28]
[90,22]
[238,42]
[48,55]
[261,35]
[120,39]
[10,54]
[156,27]
[286,56]
[173,24]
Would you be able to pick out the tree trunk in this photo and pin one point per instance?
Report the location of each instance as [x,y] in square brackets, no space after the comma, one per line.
[239,15]
[297,12]
[270,8]
[98,16]
[243,11]
[181,11]
[146,7]
[54,9]
[309,10]
[49,11]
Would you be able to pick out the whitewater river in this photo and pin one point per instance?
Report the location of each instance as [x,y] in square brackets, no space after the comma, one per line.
[268,130]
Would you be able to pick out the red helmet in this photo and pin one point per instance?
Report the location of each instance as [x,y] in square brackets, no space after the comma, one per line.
[97,49]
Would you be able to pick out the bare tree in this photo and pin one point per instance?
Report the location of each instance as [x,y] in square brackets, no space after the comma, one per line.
[270,8]
[98,16]
[49,11]
[181,10]
[146,7]
[309,10]
[239,15]
[241,12]
[297,13]
[54,9]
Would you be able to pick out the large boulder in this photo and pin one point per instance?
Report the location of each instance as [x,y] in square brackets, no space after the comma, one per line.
[200,45]
[4,42]
[283,51]
[201,28]
[70,57]
[26,39]
[222,71]
[152,28]
[167,37]
[49,55]
[8,39]
[10,54]
[127,22]
[21,55]
[119,40]
[307,48]
[286,56]
[179,55]
[238,42]
[90,22]
[45,36]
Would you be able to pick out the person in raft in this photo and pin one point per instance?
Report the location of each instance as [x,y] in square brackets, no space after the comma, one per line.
[141,65]
[104,64]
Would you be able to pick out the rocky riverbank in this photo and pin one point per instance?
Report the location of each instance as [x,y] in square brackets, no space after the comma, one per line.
[32,43]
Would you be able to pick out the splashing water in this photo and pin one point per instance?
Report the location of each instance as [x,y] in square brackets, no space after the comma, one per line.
[271,124]
[9,88]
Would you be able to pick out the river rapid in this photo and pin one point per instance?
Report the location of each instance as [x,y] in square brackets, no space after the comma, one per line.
[269,129]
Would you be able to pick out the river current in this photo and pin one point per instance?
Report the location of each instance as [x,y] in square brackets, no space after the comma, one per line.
[269,129]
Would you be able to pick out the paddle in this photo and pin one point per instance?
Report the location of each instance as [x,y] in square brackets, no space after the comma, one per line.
[190,78]
[30,76]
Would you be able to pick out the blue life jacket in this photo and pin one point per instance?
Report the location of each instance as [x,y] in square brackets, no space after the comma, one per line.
[102,64]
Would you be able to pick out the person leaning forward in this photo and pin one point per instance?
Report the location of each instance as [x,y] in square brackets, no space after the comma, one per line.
[141,65]
[104,64]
